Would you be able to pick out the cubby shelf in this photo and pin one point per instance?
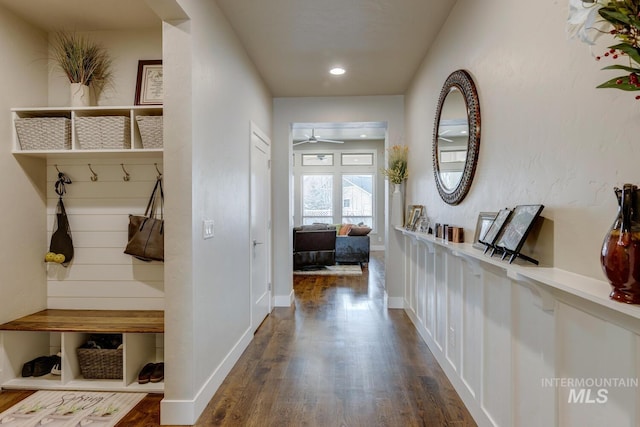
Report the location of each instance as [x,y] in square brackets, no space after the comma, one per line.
[51,331]
[73,113]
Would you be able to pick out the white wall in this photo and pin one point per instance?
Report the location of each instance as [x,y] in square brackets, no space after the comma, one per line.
[548,135]
[213,93]
[23,83]
[325,109]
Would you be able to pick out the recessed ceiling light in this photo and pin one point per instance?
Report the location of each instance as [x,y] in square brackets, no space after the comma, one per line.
[364,135]
[337,71]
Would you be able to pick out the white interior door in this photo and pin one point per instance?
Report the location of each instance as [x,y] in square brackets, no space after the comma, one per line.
[260,227]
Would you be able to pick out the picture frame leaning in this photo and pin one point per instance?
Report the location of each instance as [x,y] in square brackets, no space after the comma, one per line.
[485,219]
[494,230]
[413,213]
[149,83]
[515,233]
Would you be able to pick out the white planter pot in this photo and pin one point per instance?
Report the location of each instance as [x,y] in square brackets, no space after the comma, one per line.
[80,95]
[397,215]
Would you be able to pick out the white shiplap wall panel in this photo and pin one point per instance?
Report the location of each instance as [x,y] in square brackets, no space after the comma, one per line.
[105,288]
[98,239]
[101,275]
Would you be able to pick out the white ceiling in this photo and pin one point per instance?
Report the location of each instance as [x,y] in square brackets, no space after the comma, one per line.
[293,43]
[84,15]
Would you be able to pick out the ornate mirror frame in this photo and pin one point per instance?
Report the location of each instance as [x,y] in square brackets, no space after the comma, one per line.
[461,80]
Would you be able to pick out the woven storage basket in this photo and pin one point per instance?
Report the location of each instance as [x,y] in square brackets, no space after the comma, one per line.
[44,133]
[100,364]
[103,132]
[150,131]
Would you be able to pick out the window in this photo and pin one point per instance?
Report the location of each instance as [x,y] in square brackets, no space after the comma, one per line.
[363,159]
[337,186]
[317,199]
[357,199]
[317,160]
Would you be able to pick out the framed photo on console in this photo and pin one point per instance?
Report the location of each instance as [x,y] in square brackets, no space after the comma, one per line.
[413,213]
[490,237]
[149,86]
[516,230]
[485,219]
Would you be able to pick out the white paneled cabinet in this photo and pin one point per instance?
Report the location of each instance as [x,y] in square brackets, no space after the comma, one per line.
[524,345]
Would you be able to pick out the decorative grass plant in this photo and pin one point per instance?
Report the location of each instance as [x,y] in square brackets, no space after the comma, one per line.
[82,60]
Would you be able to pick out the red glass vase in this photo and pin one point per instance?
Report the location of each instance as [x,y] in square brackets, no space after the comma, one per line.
[620,256]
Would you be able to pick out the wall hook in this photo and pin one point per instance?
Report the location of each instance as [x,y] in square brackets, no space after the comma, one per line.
[94,176]
[126,176]
[56,166]
[159,173]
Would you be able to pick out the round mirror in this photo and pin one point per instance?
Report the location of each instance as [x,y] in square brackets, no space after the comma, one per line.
[456,137]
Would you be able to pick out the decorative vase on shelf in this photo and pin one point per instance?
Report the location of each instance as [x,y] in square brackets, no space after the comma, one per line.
[397,217]
[80,95]
[620,256]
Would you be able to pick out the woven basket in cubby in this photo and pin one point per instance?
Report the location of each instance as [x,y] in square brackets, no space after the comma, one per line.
[150,131]
[103,132]
[100,364]
[44,133]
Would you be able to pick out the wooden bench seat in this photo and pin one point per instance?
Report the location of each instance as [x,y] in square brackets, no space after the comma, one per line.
[94,321]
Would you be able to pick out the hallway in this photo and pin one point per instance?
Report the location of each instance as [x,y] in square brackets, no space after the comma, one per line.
[339,358]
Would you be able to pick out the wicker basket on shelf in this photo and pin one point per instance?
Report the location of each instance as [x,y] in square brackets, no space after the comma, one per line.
[103,132]
[44,133]
[150,131]
[100,363]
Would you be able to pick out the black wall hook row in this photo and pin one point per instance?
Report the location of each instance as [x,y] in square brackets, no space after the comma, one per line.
[126,176]
[94,176]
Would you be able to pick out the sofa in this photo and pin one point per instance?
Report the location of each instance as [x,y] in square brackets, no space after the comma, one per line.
[313,248]
[318,245]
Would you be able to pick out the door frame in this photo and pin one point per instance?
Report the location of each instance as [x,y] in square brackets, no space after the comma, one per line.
[255,130]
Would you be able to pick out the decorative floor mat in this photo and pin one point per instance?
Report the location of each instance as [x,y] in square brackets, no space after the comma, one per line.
[70,409]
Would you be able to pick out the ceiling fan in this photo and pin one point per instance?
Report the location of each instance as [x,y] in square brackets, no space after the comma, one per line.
[444,132]
[313,139]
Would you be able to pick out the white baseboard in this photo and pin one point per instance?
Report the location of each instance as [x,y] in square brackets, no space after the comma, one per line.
[186,412]
[284,300]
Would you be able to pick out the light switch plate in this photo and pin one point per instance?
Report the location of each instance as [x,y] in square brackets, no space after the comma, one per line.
[207,228]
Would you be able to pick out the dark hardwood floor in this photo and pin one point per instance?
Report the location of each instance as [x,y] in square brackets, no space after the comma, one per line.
[338,358]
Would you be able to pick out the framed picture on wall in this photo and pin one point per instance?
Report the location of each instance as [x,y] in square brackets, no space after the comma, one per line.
[149,83]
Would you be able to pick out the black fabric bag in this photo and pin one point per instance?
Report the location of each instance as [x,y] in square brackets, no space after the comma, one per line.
[61,241]
[146,233]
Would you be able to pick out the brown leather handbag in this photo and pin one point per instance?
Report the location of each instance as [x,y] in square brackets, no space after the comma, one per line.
[146,233]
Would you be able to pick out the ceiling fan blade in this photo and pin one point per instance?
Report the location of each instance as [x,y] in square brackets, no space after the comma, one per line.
[333,141]
[445,139]
[298,143]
